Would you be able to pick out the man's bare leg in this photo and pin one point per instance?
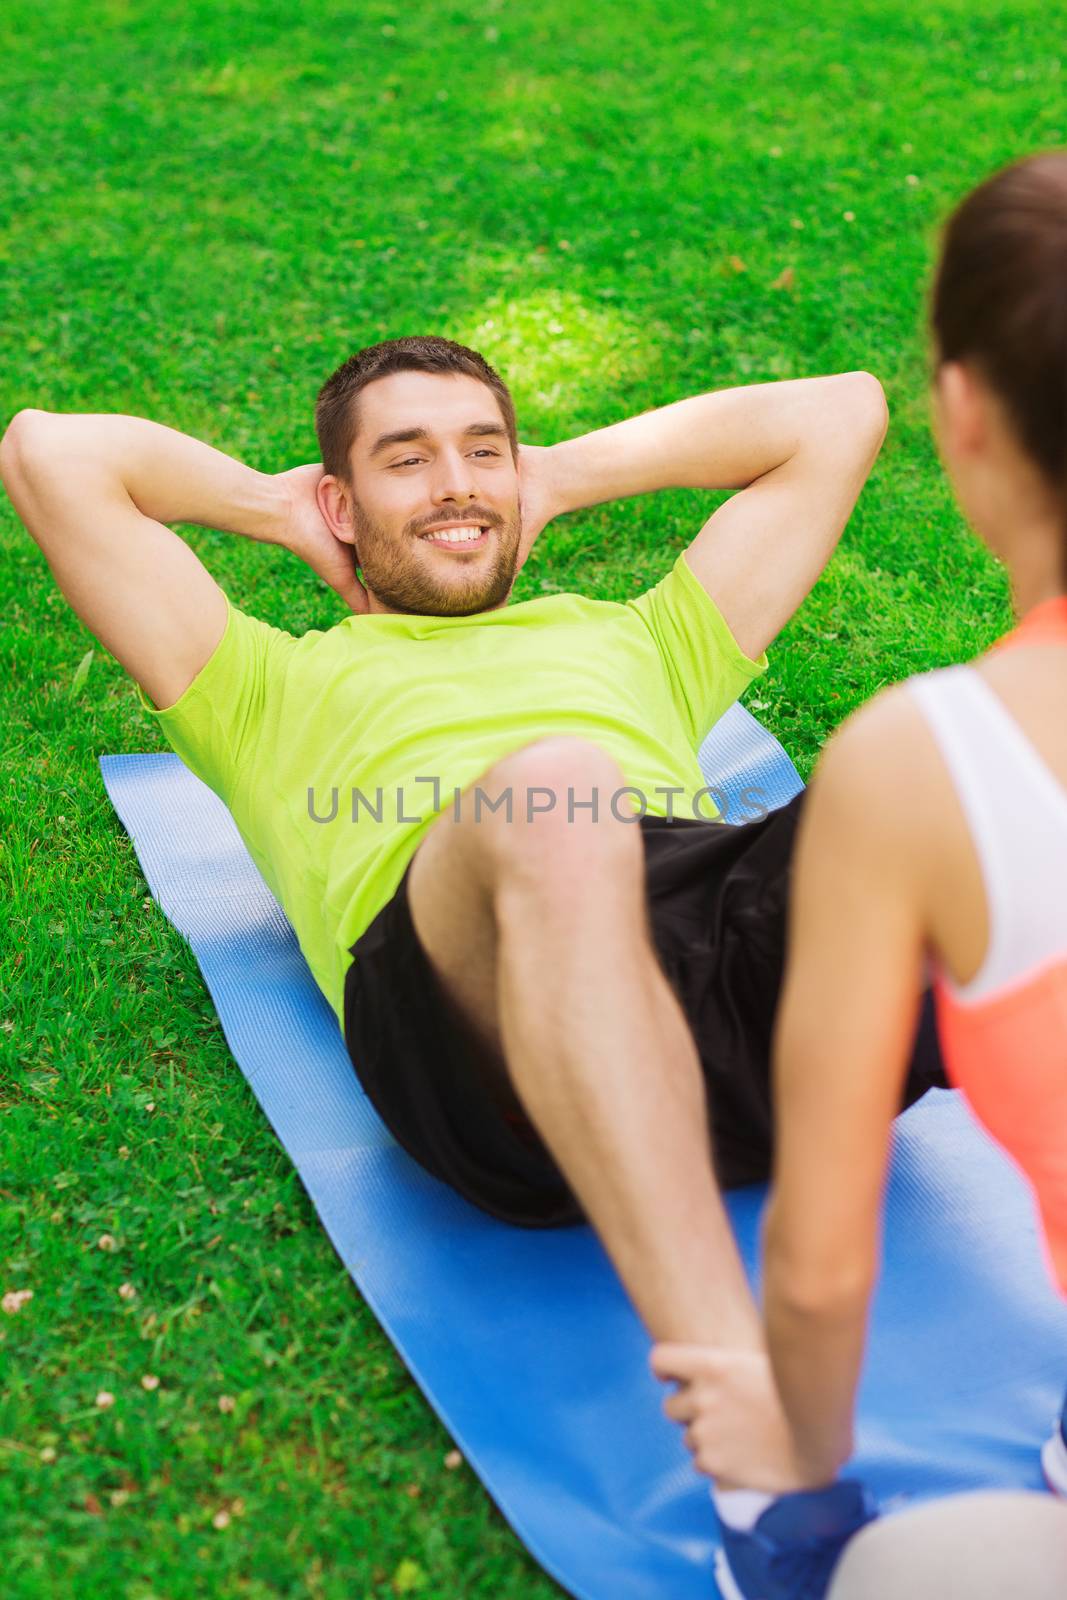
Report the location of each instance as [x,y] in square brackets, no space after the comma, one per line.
[538,930]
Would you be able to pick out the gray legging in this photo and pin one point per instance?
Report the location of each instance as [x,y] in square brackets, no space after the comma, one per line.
[988,1546]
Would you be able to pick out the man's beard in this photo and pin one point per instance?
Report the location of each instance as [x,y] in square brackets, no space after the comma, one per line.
[402,577]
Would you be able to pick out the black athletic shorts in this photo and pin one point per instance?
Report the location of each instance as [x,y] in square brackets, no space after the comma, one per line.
[717,897]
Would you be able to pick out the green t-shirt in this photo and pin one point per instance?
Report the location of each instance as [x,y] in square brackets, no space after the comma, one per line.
[276,724]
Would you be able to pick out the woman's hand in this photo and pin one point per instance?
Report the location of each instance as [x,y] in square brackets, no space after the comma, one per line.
[736,1429]
[307,534]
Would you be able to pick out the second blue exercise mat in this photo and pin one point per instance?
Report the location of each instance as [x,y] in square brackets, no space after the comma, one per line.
[524,1342]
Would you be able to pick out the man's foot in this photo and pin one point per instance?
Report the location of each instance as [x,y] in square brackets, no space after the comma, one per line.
[1054,1456]
[791,1552]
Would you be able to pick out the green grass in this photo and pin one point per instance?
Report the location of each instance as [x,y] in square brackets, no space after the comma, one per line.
[205,211]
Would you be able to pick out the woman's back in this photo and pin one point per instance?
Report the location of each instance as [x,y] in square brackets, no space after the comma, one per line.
[999,896]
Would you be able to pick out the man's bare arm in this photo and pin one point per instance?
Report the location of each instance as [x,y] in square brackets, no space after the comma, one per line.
[799,451]
[95,492]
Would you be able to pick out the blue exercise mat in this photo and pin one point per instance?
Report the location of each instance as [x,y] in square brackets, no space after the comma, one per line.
[523,1342]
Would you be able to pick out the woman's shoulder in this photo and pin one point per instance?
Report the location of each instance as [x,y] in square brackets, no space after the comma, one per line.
[880,770]
[883,737]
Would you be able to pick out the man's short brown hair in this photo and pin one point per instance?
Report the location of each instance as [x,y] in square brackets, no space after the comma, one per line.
[337,406]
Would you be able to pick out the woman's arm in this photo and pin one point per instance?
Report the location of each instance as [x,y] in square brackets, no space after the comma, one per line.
[844,1035]
[859,907]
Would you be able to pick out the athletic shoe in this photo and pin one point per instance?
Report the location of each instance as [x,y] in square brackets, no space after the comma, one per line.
[792,1550]
[1054,1456]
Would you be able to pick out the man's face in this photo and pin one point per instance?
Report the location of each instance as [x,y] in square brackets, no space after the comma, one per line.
[431,459]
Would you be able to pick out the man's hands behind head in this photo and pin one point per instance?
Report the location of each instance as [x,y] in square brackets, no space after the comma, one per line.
[537,496]
[307,535]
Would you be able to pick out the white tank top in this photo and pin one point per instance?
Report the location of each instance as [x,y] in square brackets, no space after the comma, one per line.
[1016,811]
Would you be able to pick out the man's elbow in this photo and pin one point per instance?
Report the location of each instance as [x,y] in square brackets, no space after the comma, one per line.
[865,404]
[22,445]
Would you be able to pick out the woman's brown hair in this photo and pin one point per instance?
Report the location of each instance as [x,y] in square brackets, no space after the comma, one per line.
[1000,301]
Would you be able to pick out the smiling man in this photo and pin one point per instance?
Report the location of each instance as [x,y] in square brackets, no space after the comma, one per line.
[413,558]
[485,819]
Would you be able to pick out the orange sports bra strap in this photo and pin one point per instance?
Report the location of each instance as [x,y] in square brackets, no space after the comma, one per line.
[1044,624]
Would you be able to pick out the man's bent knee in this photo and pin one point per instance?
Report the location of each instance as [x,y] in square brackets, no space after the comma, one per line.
[559,802]
[565,778]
